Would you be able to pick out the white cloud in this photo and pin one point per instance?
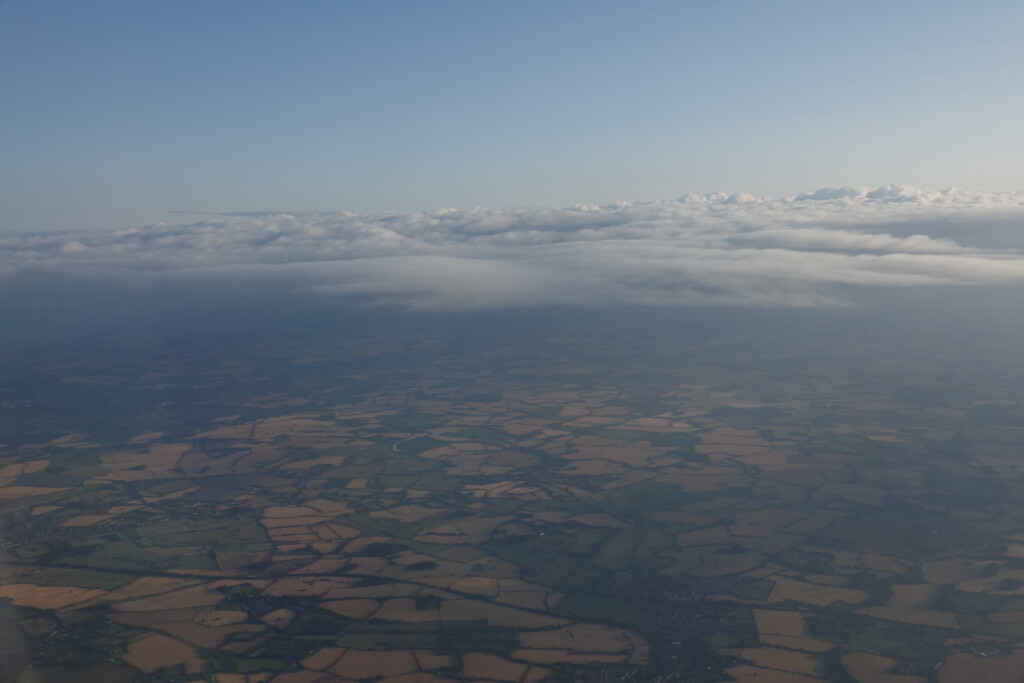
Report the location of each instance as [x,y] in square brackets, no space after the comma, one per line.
[714,249]
[838,239]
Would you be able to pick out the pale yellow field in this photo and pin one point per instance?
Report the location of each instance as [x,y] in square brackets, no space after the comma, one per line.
[784,660]
[195,596]
[813,594]
[181,623]
[15,492]
[342,531]
[882,563]
[750,674]
[47,597]
[155,652]
[683,516]
[357,664]
[230,678]
[145,438]
[779,622]
[635,456]
[290,512]
[492,667]
[158,463]
[869,668]
[86,520]
[469,531]
[580,638]
[277,522]
[593,467]
[17,469]
[145,586]
[407,513]
[429,660]
[279,618]
[170,496]
[387,590]
[214,617]
[74,441]
[331,460]
[324,658]
[536,600]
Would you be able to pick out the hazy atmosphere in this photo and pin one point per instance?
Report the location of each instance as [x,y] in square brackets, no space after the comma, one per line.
[566,341]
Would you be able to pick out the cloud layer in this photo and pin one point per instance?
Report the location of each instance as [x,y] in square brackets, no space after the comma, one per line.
[717,249]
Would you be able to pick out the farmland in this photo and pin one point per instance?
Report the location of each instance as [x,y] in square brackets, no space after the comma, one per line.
[369,508]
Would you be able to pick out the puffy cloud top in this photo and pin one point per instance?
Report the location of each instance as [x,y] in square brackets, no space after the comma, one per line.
[711,249]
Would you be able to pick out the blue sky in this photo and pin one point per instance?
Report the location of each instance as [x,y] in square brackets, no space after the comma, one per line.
[117,112]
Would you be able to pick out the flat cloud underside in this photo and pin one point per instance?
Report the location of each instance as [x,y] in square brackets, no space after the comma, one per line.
[717,249]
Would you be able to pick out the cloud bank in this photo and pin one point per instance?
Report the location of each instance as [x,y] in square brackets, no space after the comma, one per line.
[807,250]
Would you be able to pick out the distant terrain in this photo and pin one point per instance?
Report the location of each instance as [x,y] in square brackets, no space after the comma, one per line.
[728,502]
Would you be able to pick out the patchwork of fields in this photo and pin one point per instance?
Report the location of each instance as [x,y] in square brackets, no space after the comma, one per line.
[395,511]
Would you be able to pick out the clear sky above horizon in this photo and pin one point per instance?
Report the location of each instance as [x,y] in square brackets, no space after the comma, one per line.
[118,112]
